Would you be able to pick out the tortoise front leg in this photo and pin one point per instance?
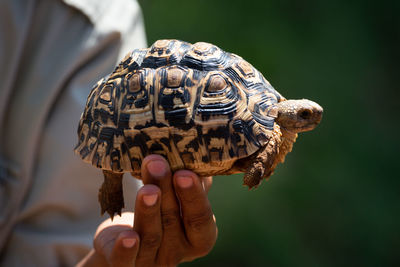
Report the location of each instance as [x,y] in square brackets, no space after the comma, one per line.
[111,197]
[262,164]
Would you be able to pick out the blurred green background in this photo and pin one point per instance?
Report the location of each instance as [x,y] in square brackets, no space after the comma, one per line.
[336,200]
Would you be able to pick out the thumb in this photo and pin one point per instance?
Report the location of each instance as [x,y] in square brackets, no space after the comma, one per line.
[118,245]
[125,249]
[117,242]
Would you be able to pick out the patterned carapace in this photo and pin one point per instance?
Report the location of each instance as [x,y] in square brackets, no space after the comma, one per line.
[199,106]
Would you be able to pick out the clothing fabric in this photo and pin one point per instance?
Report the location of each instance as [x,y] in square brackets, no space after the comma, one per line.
[51,54]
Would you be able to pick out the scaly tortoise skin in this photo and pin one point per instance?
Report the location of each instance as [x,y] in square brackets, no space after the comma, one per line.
[200,107]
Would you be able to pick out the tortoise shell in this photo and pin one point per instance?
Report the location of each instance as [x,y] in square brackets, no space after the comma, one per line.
[197,105]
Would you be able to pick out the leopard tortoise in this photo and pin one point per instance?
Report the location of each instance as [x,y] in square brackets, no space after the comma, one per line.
[200,107]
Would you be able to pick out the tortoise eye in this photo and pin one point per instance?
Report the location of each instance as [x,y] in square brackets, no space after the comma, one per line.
[174,77]
[106,93]
[134,83]
[217,83]
[305,114]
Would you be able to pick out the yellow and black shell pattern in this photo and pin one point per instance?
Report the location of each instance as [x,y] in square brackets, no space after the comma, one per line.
[197,105]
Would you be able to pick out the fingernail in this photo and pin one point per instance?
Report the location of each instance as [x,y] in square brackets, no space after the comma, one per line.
[150,200]
[157,168]
[184,181]
[128,242]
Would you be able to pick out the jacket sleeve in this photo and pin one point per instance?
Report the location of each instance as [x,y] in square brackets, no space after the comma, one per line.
[55,52]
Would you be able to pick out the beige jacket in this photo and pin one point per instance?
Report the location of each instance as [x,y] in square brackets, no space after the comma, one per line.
[51,54]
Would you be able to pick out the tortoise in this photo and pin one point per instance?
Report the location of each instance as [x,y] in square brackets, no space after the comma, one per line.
[200,107]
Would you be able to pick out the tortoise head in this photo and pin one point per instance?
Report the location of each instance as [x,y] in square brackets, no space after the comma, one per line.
[298,115]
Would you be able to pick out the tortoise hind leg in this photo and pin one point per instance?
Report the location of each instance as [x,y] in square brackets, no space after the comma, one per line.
[111,197]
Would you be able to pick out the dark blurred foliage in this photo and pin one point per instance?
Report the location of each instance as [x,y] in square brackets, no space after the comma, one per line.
[336,200]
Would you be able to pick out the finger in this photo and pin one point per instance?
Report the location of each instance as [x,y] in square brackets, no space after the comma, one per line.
[108,230]
[200,227]
[117,241]
[207,183]
[147,224]
[125,249]
[155,170]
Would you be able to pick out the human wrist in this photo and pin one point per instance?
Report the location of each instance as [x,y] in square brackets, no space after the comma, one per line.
[93,259]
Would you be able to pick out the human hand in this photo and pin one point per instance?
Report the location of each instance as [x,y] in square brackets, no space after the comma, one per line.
[115,243]
[172,217]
